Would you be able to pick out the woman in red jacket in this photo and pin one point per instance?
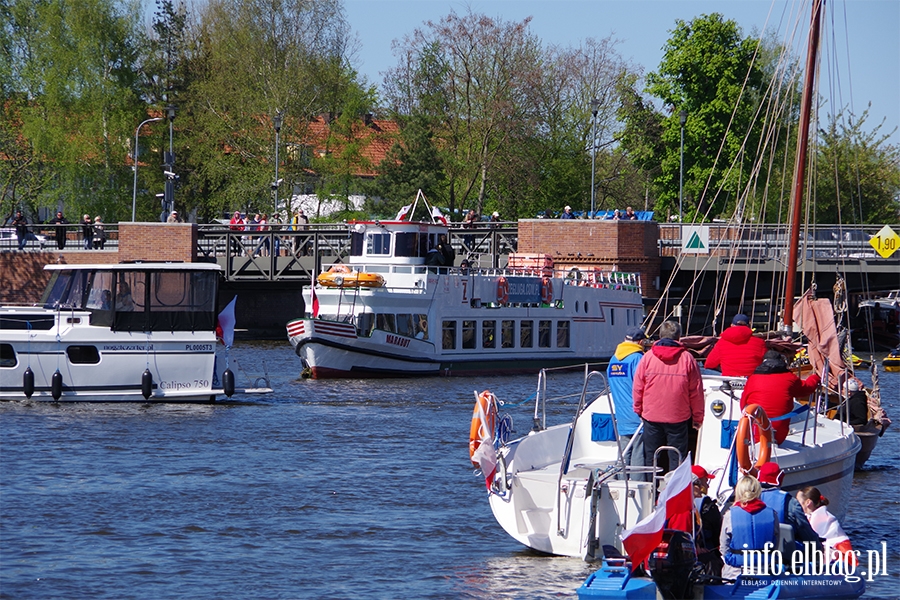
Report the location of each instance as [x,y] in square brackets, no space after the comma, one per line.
[774,387]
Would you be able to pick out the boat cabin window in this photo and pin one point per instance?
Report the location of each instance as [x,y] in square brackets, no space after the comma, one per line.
[507,334]
[612,316]
[468,334]
[7,356]
[562,334]
[165,301]
[365,324]
[406,244]
[489,334]
[449,335]
[526,337]
[544,329]
[378,243]
[385,323]
[66,290]
[83,355]
[100,298]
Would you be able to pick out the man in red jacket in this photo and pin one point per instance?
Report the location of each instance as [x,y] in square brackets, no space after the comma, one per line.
[668,394]
[738,352]
[774,388]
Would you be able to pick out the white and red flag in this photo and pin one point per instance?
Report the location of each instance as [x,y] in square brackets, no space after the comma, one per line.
[225,324]
[315,301]
[678,497]
[402,214]
[436,214]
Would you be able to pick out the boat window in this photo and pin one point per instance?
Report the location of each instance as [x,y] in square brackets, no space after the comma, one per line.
[16,320]
[449,335]
[56,288]
[83,355]
[612,316]
[386,322]
[378,243]
[405,325]
[66,290]
[183,300]
[489,334]
[562,334]
[365,323]
[7,356]
[507,334]
[526,337]
[468,334]
[544,329]
[421,326]
[585,306]
[356,243]
[130,292]
[100,298]
[406,244]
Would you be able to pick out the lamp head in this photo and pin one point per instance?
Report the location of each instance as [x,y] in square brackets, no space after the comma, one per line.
[170,112]
[277,120]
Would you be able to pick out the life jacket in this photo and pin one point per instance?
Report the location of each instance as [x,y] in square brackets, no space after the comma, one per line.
[777,501]
[754,530]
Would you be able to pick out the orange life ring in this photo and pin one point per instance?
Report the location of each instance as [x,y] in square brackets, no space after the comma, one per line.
[484,422]
[502,290]
[753,413]
[547,290]
[338,268]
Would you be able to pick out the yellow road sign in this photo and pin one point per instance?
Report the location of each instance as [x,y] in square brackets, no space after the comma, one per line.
[885,242]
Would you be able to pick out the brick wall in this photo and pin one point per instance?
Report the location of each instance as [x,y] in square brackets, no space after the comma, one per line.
[173,242]
[22,274]
[630,246]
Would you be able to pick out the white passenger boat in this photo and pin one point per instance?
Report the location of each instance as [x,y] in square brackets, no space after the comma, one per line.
[117,332]
[563,489]
[427,319]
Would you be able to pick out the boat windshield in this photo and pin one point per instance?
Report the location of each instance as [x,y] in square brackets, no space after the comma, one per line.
[139,300]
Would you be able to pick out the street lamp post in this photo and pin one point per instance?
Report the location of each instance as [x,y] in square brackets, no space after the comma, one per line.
[595,104]
[169,170]
[277,121]
[134,156]
[683,116]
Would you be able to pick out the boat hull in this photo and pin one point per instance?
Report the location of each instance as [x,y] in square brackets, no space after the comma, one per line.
[552,513]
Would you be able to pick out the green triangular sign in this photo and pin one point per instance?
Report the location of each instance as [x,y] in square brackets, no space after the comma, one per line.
[695,243]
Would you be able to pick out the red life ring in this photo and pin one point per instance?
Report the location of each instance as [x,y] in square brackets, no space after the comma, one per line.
[753,413]
[484,422]
[502,290]
[547,290]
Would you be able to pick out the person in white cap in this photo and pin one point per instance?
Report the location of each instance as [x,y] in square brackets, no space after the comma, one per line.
[567,213]
[173,218]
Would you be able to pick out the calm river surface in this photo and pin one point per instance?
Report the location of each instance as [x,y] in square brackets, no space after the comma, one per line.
[324,489]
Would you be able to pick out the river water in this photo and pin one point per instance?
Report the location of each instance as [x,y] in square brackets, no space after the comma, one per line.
[323,489]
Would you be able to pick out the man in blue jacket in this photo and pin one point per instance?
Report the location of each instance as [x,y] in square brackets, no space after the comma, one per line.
[621,377]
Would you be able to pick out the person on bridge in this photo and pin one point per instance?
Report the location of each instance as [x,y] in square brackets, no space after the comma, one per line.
[738,352]
[59,231]
[773,387]
[567,213]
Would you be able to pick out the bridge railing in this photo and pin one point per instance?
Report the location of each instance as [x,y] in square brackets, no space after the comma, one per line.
[771,242]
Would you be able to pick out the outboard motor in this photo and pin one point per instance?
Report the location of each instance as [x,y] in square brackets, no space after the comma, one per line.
[671,564]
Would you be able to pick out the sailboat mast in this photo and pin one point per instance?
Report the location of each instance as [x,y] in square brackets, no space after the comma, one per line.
[800,166]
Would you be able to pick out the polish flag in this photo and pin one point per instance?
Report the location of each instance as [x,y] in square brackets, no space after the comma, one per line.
[225,324]
[436,214]
[315,301]
[402,214]
[644,537]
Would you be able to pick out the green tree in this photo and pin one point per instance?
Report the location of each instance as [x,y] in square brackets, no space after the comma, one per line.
[860,181]
[709,71]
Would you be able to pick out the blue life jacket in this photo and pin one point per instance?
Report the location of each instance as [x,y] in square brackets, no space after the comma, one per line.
[620,374]
[777,501]
[751,529]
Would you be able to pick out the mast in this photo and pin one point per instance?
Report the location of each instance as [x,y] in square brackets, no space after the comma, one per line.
[800,165]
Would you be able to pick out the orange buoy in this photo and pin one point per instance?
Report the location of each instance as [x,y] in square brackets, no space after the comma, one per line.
[502,290]
[753,413]
[484,423]
[547,290]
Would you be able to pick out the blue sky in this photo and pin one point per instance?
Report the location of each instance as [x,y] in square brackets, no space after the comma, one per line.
[864,35]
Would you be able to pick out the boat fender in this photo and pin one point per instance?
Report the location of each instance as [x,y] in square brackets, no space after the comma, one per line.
[56,385]
[484,423]
[502,290]
[753,413]
[547,290]
[228,382]
[146,384]
[28,383]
